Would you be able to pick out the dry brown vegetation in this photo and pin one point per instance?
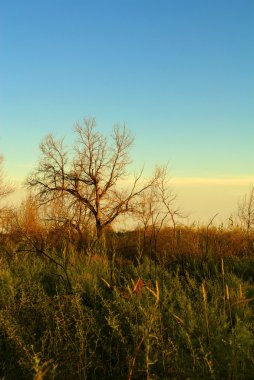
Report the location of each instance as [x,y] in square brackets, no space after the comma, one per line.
[82,300]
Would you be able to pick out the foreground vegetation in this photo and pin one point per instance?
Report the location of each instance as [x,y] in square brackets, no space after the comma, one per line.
[98,315]
[79,301]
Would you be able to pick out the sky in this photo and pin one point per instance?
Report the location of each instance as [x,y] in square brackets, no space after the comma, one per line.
[180,74]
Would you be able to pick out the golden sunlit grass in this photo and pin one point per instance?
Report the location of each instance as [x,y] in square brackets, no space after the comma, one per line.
[177,318]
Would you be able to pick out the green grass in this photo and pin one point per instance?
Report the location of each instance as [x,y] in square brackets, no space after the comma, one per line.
[191,320]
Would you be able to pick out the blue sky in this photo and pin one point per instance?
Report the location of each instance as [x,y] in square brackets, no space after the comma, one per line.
[180,74]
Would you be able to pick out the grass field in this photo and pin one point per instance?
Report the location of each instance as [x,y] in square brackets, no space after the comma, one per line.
[101,316]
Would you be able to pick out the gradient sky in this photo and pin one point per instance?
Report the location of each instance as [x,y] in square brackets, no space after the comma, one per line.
[179,73]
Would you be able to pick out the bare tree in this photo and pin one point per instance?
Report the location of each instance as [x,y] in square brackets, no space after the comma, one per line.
[157,207]
[246,211]
[66,214]
[90,175]
[168,200]
[5,189]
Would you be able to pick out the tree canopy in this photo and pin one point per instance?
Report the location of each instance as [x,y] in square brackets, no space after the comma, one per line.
[89,175]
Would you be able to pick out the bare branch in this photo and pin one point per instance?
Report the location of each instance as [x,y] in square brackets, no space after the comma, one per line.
[90,174]
[5,189]
[246,211]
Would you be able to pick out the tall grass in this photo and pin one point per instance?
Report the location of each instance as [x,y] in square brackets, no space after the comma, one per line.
[177,319]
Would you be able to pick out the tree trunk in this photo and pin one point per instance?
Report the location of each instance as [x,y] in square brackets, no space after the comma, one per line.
[99,230]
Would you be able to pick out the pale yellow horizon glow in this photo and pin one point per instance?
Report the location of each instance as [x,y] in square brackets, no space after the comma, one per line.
[225,181]
[199,197]
[203,197]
